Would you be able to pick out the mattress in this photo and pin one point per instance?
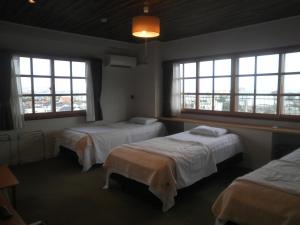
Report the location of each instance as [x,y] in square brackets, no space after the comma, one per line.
[92,144]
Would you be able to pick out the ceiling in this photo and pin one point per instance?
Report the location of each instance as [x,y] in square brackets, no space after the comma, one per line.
[179,18]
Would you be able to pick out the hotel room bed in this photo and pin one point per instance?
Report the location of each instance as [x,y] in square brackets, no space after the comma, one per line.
[92,144]
[268,195]
[169,163]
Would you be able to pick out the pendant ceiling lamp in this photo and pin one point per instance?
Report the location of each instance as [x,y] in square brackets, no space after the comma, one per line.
[145,26]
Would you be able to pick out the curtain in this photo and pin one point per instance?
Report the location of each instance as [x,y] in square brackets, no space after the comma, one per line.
[90,107]
[95,73]
[167,87]
[171,89]
[6,120]
[176,88]
[16,94]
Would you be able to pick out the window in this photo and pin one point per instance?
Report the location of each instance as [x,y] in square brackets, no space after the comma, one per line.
[207,85]
[52,86]
[188,73]
[253,84]
[290,84]
[257,84]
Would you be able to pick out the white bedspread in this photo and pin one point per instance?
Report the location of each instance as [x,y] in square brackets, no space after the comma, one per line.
[279,174]
[195,156]
[193,160]
[222,147]
[101,139]
[106,127]
[293,156]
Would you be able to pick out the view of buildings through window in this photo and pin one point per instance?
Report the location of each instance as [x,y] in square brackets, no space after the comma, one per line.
[262,84]
[50,85]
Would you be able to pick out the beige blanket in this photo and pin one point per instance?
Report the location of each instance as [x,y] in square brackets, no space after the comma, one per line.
[156,171]
[248,203]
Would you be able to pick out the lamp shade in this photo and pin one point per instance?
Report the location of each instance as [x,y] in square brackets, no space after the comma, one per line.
[145,26]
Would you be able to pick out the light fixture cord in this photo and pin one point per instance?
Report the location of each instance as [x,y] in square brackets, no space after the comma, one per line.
[146,48]
[146,7]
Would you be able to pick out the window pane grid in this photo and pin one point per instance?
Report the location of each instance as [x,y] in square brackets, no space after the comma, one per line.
[265,70]
[269,86]
[71,85]
[40,92]
[199,92]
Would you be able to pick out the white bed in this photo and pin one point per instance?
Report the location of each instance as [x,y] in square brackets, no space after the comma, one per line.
[92,144]
[172,162]
[267,195]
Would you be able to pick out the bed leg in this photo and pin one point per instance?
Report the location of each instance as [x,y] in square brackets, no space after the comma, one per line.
[220,222]
[106,186]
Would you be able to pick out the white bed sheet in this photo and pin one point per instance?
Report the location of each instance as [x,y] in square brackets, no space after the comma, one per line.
[101,139]
[222,147]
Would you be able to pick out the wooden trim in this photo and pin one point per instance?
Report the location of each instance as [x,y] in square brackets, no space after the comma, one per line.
[197,84]
[279,89]
[30,54]
[71,85]
[32,86]
[259,116]
[53,86]
[232,125]
[41,116]
[213,87]
[234,67]
[255,79]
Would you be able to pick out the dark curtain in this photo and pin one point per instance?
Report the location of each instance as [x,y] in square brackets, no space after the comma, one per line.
[6,120]
[96,71]
[167,67]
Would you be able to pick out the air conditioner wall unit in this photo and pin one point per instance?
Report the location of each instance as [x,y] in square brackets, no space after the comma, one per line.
[121,61]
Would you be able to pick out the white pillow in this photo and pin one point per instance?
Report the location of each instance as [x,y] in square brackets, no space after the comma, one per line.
[142,120]
[209,131]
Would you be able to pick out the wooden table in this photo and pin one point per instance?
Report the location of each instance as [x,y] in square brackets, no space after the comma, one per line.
[8,180]
[15,219]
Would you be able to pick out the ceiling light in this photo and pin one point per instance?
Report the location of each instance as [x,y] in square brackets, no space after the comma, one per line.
[32,1]
[145,26]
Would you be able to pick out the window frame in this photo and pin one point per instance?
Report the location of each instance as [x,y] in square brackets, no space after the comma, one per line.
[233,92]
[53,95]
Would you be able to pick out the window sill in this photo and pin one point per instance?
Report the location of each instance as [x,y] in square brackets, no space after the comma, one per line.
[288,118]
[231,125]
[41,116]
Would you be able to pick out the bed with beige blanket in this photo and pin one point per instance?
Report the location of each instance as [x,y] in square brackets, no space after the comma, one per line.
[269,195]
[93,143]
[169,163]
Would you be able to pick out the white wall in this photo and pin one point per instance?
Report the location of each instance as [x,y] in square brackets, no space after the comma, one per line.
[278,33]
[117,82]
[146,82]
